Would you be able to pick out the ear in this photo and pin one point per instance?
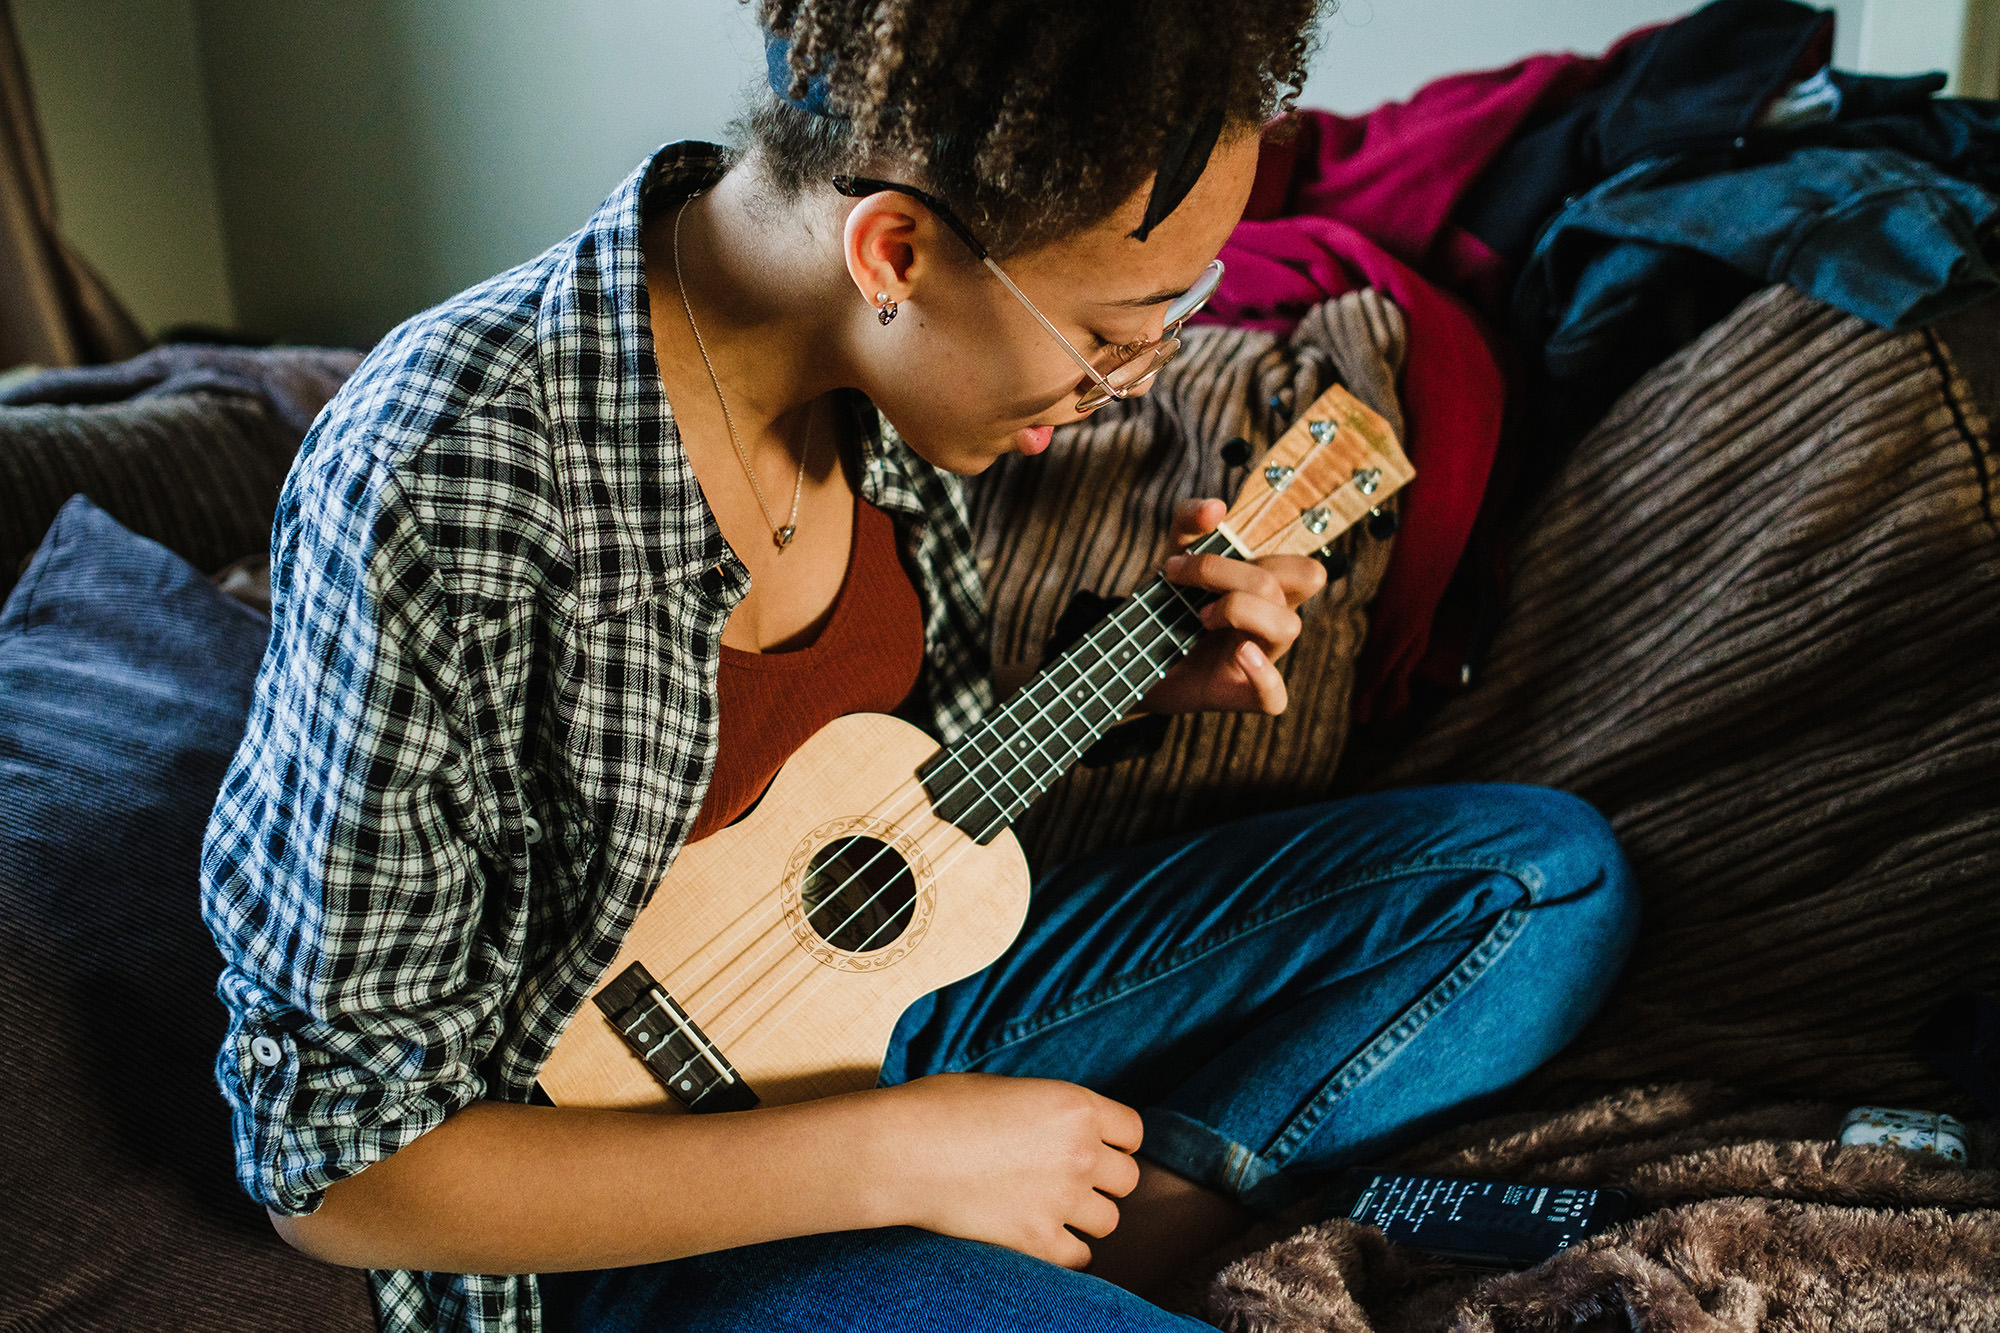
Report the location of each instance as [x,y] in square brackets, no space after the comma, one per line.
[887,242]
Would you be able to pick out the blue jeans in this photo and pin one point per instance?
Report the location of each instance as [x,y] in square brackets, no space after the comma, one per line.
[1279,997]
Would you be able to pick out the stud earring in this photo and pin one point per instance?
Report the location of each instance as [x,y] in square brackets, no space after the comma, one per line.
[885,309]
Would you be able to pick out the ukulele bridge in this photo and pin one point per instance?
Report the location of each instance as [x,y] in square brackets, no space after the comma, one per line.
[672,1045]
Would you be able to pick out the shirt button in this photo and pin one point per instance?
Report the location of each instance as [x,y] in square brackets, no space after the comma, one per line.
[533,828]
[267,1051]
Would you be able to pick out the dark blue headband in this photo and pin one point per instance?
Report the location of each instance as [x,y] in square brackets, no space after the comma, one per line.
[1182,160]
[778,69]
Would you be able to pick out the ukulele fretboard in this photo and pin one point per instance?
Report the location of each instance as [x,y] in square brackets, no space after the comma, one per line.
[984,780]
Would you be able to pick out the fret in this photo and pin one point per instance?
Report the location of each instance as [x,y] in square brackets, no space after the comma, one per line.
[1025,746]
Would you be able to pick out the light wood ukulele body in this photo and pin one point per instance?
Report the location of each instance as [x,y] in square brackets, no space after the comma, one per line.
[776,955]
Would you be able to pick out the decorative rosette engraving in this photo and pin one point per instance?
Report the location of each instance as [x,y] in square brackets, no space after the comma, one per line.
[887,869]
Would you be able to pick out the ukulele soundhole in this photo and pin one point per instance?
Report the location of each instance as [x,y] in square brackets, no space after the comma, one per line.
[859,895]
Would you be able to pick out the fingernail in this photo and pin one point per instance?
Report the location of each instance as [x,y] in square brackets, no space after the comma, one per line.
[1176,563]
[1250,656]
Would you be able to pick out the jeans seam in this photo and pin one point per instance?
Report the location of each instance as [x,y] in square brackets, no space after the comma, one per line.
[1399,1034]
[1126,983]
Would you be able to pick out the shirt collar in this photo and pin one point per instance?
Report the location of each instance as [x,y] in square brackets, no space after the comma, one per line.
[638,521]
[636,515]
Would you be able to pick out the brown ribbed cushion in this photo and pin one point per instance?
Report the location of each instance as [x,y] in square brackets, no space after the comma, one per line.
[1095,513]
[197,473]
[1757,622]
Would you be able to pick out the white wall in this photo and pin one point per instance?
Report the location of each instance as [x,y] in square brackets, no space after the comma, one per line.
[1377,51]
[378,155]
[374,156]
[118,88]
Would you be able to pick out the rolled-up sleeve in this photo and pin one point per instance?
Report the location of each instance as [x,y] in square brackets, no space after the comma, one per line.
[345,870]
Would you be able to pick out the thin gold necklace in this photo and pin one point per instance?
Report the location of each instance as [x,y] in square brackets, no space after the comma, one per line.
[781,534]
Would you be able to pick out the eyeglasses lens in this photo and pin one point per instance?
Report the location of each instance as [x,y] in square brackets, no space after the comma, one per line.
[1195,297]
[1131,375]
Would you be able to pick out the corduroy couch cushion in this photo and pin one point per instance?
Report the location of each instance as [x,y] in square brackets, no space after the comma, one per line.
[124,683]
[184,444]
[1094,514]
[1756,621]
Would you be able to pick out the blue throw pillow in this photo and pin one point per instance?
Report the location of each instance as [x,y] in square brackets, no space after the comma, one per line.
[124,683]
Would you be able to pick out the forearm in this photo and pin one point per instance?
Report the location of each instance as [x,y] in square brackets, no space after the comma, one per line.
[502,1188]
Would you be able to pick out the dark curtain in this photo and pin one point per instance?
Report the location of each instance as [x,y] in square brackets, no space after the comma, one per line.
[54,311]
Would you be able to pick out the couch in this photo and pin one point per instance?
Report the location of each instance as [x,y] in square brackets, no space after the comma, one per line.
[1753,618]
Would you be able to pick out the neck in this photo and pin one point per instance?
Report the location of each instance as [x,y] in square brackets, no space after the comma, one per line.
[762,283]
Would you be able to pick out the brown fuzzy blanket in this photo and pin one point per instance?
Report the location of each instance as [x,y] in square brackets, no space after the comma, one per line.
[1750,1216]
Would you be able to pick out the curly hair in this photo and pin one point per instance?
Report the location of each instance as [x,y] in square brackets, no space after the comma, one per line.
[1033,118]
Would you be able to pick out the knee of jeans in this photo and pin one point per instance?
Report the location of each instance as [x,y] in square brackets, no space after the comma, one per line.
[1591,873]
[1583,866]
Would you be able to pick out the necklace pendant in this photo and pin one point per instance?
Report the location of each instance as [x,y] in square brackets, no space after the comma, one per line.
[782,537]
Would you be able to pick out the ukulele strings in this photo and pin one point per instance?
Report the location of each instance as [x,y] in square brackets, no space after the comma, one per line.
[800,996]
[987,727]
[1007,810]
[1041,714]
[1305,462]
[775,989]
[752,918]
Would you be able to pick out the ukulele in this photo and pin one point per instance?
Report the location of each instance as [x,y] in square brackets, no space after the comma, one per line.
[774,958]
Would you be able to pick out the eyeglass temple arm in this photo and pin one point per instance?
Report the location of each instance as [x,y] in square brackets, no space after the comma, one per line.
[856,187]
[860,187]
[1054,332]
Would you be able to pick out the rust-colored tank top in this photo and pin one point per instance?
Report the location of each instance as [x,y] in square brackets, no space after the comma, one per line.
[865,660]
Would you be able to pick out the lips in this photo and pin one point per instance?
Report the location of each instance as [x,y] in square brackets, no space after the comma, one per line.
[1033,439]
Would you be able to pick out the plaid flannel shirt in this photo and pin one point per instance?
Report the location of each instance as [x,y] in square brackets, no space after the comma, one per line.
[487,717]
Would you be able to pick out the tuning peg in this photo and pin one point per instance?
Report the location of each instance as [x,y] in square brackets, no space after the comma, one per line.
[1338,563]
[1381,524]
[1236,451]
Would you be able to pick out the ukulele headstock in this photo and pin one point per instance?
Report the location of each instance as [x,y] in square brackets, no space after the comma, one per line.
[1336,463]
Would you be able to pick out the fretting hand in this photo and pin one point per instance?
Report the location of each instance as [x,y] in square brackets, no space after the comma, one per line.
[1254,622]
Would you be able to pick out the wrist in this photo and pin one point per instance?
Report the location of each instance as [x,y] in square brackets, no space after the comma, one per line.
[895,1146]
[866,1140]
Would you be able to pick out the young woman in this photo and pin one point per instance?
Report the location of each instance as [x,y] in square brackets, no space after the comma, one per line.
[577,558]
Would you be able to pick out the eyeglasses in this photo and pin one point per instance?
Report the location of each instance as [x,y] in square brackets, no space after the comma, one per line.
[1138,362]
